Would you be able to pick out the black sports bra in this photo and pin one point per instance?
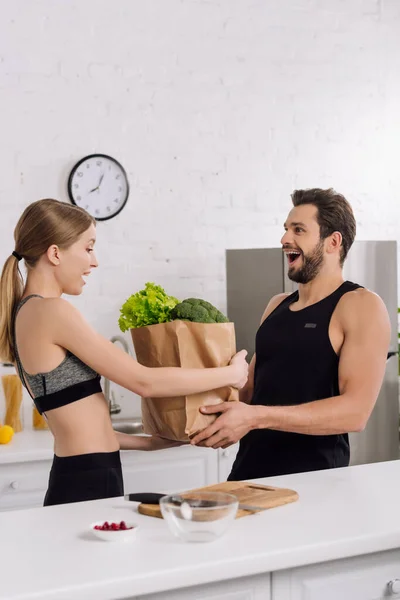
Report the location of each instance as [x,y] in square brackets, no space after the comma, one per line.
[70,381]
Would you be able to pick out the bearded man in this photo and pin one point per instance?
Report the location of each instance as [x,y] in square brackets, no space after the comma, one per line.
[319,357]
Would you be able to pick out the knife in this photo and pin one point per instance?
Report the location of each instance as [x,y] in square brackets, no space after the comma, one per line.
[153,498]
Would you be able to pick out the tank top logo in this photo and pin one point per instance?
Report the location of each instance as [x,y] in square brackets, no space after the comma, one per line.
[310,325]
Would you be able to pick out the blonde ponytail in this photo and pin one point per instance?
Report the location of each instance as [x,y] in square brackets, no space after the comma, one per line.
[43,223]
[11,290]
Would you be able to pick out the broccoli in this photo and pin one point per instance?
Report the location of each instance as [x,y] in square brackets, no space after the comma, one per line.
[198,311]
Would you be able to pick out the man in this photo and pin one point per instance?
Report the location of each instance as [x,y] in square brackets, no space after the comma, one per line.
[319,359]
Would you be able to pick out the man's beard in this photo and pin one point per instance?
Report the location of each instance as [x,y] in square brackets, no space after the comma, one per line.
[311,266]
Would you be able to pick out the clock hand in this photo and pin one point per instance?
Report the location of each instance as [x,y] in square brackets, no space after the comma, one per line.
[96,188]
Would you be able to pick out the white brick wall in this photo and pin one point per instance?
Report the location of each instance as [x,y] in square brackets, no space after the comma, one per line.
[217,109]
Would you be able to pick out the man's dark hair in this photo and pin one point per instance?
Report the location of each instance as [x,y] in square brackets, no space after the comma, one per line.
[334,213]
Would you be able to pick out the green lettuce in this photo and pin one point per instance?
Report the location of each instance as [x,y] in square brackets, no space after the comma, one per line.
[147,307]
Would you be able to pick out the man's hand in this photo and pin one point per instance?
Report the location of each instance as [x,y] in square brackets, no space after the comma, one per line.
[235,420]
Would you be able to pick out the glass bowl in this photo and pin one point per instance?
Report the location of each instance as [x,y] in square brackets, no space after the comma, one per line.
[199,516]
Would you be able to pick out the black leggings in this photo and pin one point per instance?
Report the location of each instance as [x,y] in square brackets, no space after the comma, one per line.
[84,477]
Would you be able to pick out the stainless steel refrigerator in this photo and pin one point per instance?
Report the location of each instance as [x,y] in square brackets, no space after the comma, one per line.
[255,275]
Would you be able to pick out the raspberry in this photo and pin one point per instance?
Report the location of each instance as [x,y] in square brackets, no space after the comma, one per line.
[106,526]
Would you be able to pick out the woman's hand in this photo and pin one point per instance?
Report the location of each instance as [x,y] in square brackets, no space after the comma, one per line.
[158,443]
[241,369]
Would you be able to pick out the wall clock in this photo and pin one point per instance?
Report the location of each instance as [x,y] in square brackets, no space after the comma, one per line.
[99,184]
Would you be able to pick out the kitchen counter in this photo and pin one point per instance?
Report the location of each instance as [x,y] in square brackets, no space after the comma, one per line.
[28,445]
[50,553]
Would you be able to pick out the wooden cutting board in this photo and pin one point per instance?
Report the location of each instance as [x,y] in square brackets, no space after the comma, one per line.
[246,492]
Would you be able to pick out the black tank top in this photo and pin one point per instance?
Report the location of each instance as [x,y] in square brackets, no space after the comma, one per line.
[295,364]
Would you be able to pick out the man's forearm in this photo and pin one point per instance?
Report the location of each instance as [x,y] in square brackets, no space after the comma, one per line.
[322,417]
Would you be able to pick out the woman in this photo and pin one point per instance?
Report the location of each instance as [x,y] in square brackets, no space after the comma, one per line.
[60,358]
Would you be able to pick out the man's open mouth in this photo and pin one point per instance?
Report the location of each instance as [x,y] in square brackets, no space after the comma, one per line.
[292,256]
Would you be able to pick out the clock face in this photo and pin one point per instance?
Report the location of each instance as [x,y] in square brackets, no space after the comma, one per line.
[98,183]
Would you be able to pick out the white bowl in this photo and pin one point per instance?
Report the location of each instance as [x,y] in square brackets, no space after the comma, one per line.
[121,535]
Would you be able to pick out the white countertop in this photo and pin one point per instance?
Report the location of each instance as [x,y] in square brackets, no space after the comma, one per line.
[28,445]
[49,552]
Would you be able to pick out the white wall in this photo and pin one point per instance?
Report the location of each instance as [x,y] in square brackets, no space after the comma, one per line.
[217,109]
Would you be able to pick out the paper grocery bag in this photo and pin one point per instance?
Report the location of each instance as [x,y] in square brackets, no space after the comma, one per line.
[189,345]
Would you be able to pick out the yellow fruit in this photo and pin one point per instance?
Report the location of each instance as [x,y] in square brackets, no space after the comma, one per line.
[6,433]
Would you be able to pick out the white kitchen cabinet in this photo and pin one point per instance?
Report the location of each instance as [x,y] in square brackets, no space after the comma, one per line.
[23,484]
[226,458]
[171,470]
[246,588]
[370,577]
